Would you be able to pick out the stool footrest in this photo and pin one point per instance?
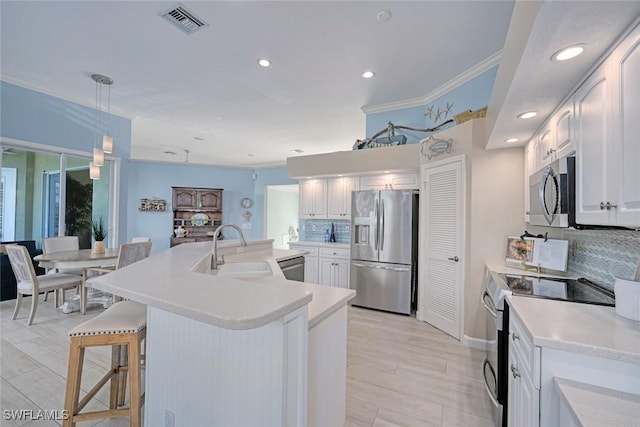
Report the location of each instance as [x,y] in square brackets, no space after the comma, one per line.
[107,413]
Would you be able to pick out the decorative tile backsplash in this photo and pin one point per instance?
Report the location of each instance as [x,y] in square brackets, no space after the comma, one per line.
[312,230]
[602,255]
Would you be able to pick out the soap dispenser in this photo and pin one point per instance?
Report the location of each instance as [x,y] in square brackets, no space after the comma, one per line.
[326,236]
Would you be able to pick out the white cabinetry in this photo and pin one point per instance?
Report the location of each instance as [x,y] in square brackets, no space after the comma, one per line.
[524,366]
[326,264]
[607,126]
[313,198]
[593,132]
[563,129]
[339,197]
[334,267]
[529,168]
[546,145]
[625,190]
[390,181]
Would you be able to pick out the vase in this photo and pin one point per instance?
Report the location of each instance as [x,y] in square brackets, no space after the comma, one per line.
[98,247]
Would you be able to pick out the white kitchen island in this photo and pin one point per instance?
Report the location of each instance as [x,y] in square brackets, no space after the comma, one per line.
[259,351]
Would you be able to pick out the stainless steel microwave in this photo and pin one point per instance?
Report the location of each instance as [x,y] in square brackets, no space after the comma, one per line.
[552,194]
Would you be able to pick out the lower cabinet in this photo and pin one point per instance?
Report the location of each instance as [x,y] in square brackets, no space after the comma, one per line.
[334,272]
[524,398]
[325,264]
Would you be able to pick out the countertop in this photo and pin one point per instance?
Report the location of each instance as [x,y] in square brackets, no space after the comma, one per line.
[588,329]
[595,406]
[175,281]
[320,244]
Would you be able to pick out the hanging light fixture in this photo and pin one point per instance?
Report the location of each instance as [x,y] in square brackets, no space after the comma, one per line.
[106,145]
[94,171]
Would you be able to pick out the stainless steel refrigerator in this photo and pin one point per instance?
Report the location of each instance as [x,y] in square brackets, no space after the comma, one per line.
[384,228]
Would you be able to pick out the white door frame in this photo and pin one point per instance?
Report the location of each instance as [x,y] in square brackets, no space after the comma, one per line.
[462,230]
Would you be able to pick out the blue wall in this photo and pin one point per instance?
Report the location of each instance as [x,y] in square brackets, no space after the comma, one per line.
[472,95]
[32,116]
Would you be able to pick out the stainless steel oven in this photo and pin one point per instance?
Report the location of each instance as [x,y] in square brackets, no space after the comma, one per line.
[497,287]
[494,364]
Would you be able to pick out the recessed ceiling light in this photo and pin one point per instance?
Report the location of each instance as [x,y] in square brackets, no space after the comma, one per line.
[385,171]
[368,74]
[264,62]
[511,140]
[527,115]
[568,53]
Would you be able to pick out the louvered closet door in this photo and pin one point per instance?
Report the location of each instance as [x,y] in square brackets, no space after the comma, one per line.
[441,243]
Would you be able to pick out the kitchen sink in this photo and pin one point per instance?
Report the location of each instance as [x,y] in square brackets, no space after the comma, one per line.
[244,269]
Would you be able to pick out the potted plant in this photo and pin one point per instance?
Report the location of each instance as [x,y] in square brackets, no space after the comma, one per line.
[99,234]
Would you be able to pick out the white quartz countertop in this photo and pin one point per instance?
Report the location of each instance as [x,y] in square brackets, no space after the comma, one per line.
[588,329]
[320,244]
[175,281]
[592,406]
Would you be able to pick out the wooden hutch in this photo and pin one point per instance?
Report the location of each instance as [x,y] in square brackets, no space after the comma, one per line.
[198,211]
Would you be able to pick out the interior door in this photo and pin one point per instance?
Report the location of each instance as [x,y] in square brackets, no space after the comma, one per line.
[441,267]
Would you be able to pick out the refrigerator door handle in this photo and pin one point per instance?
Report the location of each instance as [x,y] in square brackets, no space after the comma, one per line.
[381,224]
[376,213]
[380,267]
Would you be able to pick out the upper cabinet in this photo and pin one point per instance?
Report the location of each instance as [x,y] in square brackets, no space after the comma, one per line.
[555,140]
[607,127]
[563,122]
[339,196]
[390,181]
[197,199]
[313,198]
[626,130]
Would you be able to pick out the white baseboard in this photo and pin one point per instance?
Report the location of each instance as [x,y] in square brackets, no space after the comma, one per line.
[476,343]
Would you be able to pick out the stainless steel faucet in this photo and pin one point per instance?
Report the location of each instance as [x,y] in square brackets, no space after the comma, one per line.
[214,257]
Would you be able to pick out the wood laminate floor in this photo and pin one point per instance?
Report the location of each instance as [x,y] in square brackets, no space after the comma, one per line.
[400,371]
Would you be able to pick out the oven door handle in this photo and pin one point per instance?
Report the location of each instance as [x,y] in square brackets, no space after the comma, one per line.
[483,300]
[486,384]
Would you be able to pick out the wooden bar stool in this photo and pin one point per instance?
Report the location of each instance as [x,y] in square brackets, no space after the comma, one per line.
[122,324]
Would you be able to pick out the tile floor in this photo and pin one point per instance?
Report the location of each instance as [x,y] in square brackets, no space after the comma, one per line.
[401,372]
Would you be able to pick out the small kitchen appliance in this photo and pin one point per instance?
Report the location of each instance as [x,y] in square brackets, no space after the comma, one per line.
[552,194]
[384,228]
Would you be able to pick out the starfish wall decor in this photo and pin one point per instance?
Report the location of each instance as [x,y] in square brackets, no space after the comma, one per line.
[439,114]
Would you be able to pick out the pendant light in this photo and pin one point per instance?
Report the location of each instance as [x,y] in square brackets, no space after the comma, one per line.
[94,171]
[107,140]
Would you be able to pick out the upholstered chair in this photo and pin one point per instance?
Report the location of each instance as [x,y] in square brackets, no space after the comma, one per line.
[30,284]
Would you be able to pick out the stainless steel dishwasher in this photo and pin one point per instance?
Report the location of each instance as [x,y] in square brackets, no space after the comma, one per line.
[293,268]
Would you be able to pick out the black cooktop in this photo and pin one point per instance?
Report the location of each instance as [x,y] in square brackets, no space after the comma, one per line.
[580,290]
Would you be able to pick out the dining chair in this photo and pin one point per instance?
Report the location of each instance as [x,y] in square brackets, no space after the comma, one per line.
[61,244]
[140,239]
[31,284]
[127,254]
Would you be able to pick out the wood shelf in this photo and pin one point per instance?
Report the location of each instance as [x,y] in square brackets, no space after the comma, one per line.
[188,202]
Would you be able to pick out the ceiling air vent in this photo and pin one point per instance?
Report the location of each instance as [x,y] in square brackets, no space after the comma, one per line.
[184,19]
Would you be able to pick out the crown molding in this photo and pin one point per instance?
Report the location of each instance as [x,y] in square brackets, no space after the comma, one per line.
[452,84]
[31,86]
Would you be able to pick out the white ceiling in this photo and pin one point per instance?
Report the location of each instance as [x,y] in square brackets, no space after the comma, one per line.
[207,85]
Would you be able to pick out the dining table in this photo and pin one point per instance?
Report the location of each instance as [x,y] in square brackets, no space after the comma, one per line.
[82,259]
